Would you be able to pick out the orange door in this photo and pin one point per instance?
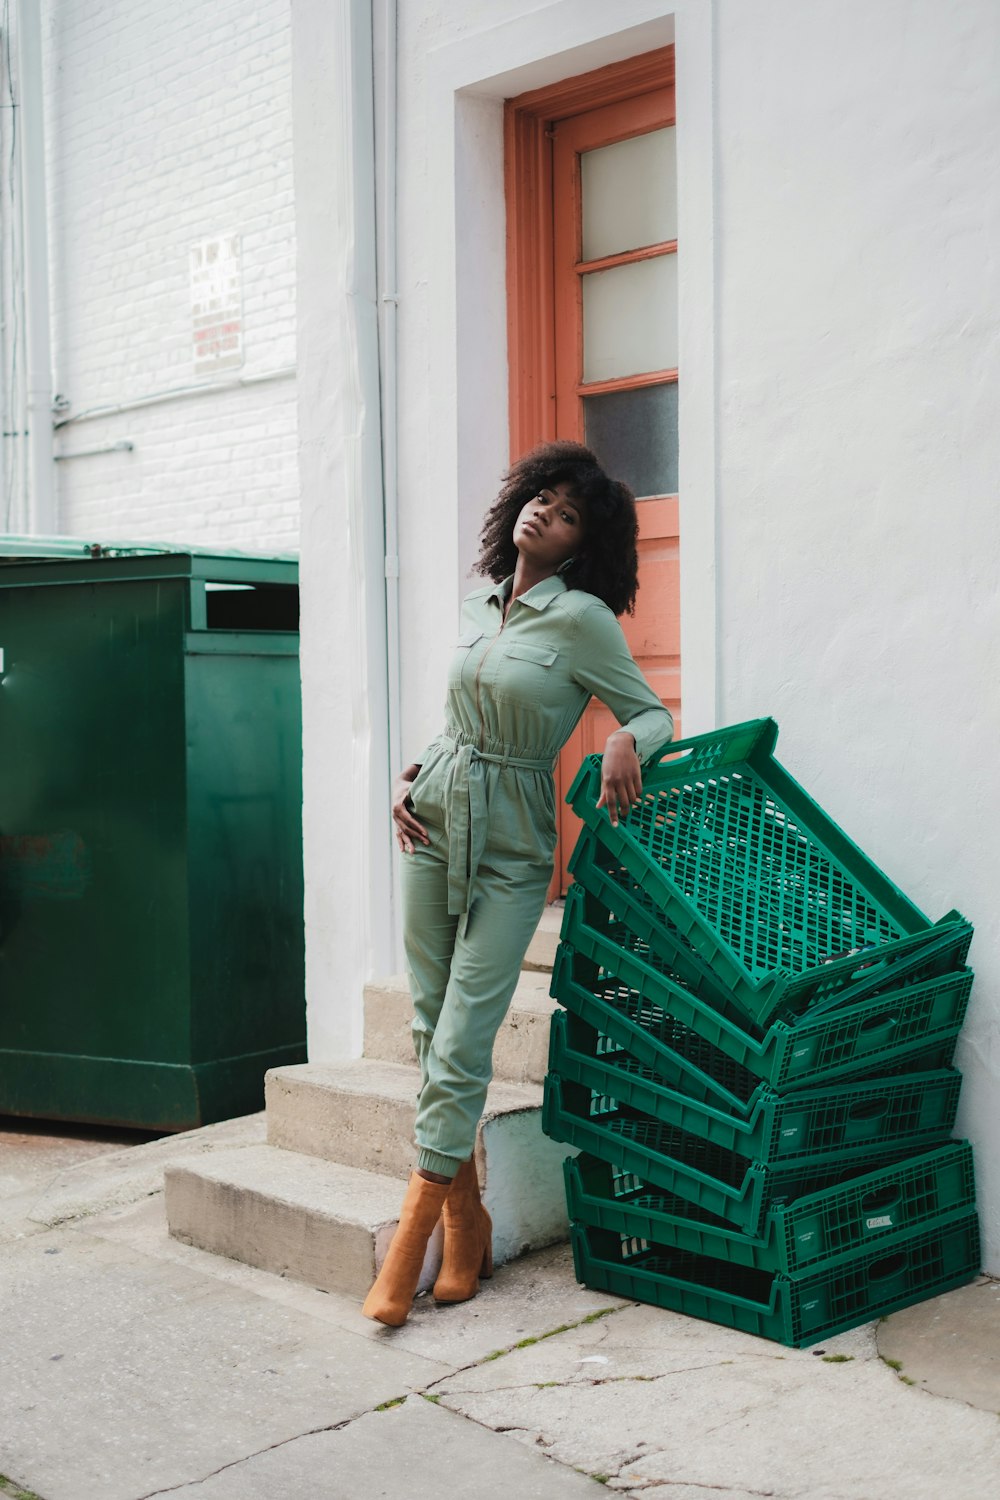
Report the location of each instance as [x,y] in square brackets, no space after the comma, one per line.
[590,179]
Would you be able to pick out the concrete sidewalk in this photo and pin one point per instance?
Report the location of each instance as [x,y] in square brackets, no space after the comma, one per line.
[135,1366]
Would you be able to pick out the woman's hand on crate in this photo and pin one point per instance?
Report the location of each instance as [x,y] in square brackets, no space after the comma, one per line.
[621,776]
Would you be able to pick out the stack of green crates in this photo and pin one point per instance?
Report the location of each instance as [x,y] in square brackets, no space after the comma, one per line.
[754,1056]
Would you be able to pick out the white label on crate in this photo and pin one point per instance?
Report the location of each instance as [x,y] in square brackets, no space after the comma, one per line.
[883,1221]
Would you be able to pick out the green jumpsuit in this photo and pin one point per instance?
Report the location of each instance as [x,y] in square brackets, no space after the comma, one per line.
[473,896]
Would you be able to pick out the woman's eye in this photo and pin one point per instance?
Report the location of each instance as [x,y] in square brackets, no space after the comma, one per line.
[567,515]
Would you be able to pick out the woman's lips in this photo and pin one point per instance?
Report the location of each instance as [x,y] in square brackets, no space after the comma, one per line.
[531,526]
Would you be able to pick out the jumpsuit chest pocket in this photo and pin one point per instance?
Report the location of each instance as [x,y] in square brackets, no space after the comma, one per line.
[542,656]
[524,671]
[462,653]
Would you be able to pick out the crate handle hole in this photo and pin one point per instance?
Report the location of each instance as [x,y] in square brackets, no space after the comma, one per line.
[885,1022]
[868,1109]
[892,1265]
[675,757]
[881,1200]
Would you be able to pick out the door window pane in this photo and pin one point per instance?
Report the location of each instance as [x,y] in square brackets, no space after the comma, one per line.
[634,434]
[629,194]
[630,319]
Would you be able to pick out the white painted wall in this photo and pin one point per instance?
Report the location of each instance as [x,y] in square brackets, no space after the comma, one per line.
[165,126]
[858,360]
[837,204]
[346,823]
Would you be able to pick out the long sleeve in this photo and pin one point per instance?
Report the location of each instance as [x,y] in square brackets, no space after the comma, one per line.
[603,664]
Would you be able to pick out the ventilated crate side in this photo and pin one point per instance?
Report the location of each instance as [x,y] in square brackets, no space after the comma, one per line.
[736,1189]
[845,1120]
[796,1311]
[854,1038]
[856,1212]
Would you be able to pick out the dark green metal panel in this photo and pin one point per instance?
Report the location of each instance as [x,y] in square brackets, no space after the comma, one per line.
[93,907]
[150,841]
[244,794]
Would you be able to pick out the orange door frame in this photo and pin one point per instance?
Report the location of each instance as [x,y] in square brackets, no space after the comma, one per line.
[528,122]
[544,322]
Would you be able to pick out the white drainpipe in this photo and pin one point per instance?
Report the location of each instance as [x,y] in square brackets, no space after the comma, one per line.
[388,303]
[41,465]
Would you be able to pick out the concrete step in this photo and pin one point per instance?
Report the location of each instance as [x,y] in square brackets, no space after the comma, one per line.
[361,1115]
[313,1221]
[522,1045]
[541,952]
[319,1202]
[322,1223]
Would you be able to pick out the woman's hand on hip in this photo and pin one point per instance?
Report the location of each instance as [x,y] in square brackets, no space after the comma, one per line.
[621,776]
[406,825]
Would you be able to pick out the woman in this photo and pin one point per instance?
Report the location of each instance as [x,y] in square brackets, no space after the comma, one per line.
[475,818]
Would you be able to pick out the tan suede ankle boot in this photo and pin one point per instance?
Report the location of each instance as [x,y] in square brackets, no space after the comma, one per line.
[468,1239]
[391,1297]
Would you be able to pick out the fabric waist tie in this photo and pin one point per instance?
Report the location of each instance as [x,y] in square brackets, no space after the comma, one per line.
[467,817]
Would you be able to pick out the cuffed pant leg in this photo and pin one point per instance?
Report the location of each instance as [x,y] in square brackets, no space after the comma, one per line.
[484,971]
[428,937]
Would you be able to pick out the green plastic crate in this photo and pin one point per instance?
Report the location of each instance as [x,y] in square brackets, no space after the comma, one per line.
[881,1030]
[675,1052]
[792,1310]
[847,1120]
[680,1055]
[857,1213]
[750,871]
[735,1188]
[843,982]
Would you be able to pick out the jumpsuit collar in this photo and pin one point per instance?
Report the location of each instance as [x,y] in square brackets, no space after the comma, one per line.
[538,597]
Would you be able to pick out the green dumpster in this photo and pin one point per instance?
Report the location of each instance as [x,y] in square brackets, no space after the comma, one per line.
[151,936]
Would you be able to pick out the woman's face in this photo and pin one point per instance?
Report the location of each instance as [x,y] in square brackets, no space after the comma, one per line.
[549,529]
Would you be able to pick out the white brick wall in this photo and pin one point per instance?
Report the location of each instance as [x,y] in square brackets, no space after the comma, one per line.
[166,126]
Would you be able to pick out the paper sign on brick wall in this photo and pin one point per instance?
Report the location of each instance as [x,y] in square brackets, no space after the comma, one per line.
[217,303]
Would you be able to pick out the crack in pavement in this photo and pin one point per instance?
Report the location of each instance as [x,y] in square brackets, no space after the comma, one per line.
[191,1484]
[628,1487]
[917,1388]
[722,1489]
[620,1482]
[348,1421]
[541,1443]
[594,1317]
[663,1375]
[576,1381]
[235,1463]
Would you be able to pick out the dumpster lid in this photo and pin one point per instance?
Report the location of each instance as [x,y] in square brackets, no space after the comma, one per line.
[33,549]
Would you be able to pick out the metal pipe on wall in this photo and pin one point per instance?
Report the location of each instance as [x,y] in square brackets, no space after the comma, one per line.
[41,467]
[367,500]
[175,393]
[348,837]
[388,306]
